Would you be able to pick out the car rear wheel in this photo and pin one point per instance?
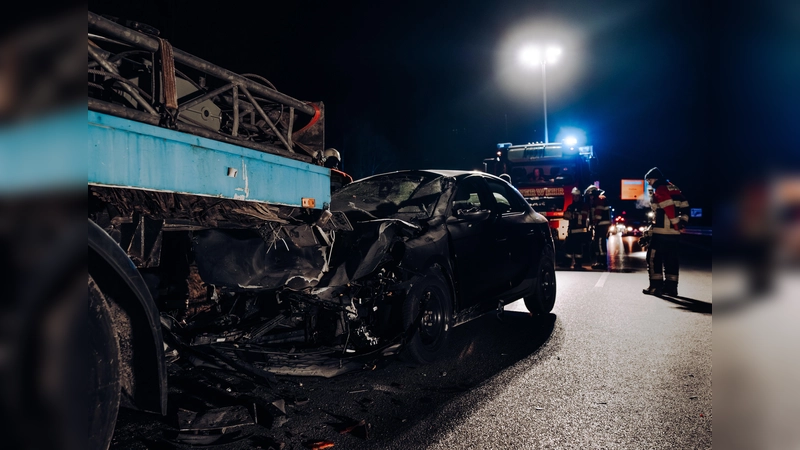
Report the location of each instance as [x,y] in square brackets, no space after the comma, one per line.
[543,297]
[427,317]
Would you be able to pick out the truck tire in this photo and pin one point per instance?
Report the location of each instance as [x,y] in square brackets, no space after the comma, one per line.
[543,297]
[427,317]
[104,376]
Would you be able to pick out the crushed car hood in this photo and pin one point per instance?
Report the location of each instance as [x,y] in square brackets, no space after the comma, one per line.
[297,257]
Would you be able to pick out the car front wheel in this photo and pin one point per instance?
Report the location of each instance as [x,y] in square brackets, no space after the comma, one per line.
[543,297]
[427,317]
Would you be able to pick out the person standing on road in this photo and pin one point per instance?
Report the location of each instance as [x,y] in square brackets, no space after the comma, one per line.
[670,208]
[578,236]
[600,214]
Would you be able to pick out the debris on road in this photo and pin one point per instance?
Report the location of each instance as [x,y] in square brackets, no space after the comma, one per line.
[214,419]
[360,429]
[318,445]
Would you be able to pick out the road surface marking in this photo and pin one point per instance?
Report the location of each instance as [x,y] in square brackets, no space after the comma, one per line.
[602,280]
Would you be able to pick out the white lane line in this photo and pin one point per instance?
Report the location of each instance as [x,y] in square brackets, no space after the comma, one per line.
[602,280]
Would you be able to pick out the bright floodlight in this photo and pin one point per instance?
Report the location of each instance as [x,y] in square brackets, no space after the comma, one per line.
[552,54]
[570,141]
[530,56]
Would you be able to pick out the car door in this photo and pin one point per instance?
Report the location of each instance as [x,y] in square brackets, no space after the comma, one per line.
[471,225]
[515,233]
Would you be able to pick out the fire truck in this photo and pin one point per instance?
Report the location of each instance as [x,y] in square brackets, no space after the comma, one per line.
[545,174]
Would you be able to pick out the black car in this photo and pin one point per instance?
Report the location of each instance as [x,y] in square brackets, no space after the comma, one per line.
[398,260]
[469,240]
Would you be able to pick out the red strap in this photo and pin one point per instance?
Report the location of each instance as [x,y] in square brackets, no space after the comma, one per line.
[317,114]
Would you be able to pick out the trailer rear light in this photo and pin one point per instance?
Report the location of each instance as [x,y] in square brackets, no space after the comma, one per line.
[308,202]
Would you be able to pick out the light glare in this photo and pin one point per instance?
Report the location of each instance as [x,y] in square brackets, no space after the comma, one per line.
[530,56]
[552,54]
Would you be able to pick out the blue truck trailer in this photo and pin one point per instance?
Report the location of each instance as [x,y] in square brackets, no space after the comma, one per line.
[191,167]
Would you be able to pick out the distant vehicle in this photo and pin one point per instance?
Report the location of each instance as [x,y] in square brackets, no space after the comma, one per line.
[630,224]
[545,175]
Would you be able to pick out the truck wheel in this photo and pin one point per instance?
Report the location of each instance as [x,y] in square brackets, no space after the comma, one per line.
[104,383]
[427,317]
[543,297]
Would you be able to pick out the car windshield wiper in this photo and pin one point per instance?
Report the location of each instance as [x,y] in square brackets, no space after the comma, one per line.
[353,206]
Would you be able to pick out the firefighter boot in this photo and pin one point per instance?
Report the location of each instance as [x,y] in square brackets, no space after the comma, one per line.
[671,288]
[656,288]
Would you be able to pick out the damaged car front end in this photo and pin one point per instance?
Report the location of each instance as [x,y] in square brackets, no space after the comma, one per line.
[317,298]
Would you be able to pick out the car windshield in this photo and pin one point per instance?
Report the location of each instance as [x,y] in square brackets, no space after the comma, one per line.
[552,173]
[403,196]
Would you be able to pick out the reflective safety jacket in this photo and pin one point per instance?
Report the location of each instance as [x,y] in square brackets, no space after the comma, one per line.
[600,211]
[671,208]
[577,214]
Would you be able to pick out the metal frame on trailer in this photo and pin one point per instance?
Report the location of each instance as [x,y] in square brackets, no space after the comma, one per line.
[155,100]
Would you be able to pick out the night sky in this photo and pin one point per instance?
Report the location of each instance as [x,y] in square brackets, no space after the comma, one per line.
[424,84]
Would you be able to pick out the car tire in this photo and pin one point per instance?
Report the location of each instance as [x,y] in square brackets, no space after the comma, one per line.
[543,297]
[427,317]
[104,375]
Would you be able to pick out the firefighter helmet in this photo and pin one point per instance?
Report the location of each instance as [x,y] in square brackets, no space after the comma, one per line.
[593,190]
[331,157]
[654,173]
[575,191]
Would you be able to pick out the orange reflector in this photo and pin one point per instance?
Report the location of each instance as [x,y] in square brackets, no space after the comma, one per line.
[309,202]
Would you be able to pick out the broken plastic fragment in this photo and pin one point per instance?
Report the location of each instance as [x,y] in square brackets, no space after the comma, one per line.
[318,445]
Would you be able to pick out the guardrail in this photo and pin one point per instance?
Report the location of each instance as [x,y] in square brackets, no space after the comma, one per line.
[698,231]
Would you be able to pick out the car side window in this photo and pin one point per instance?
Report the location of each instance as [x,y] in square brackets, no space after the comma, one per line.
[467,197]
[504,197]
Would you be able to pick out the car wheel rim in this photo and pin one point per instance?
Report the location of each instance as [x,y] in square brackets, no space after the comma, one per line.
[547,283]
[432,324]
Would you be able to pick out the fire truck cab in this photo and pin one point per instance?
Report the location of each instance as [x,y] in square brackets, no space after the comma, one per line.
[545,173]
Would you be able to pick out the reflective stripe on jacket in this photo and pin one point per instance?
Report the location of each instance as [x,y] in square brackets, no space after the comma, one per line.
[601,213]
[671,208]
[578,216]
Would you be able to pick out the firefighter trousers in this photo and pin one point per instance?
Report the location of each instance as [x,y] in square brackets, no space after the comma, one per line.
[662,261]
[600,243]
[575,246]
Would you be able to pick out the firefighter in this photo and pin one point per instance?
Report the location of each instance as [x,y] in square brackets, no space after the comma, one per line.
[331,159]
[600,214]
[578,236]
[671,215]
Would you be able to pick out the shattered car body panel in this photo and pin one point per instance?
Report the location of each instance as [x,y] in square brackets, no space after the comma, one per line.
[308,294]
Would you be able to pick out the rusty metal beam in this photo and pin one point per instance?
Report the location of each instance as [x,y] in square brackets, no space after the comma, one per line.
[150,43]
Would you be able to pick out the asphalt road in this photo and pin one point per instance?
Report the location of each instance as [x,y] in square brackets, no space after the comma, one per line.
[610,368]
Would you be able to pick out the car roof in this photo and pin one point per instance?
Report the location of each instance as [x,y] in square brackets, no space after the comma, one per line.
[440,172]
